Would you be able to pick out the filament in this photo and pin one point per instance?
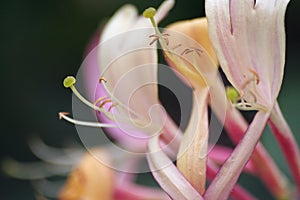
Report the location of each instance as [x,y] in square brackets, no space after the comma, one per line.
[84,123]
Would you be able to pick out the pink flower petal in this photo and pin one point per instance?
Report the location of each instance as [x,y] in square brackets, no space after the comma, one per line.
[249,39]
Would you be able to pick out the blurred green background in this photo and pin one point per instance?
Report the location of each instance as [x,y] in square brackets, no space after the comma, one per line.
[43,41]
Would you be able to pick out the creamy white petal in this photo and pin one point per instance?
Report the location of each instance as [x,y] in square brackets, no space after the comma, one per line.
[249,37]
[128,62]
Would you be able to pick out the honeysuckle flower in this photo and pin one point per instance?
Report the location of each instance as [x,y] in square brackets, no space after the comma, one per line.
[193,56]
[184,51]
[128,86]
[249,39]
[123,90]
[188,57]
[193,34]
[92,178]
[126,59]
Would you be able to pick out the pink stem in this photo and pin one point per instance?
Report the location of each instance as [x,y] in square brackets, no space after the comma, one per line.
[238,193]
[264,165]
[131,191]
[287,142]
[219,154]
[229,173]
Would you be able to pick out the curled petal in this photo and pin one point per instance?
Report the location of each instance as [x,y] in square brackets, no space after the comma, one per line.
[166,173]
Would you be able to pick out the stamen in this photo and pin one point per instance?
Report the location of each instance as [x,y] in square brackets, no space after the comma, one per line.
[157,37]
[116,100]
[251,79]
[164,42]
[102,79]
[249,106]
[138,119]
[250,93]
[99,100]
[190,50]
[69,83]
[63,115]
[233,95]
[105,102]
[176,46]
[149,13]
[255,74]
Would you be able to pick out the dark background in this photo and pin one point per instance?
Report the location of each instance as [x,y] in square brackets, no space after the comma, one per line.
[43,41]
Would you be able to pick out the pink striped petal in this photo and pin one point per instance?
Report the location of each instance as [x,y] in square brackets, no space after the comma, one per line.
[249,39]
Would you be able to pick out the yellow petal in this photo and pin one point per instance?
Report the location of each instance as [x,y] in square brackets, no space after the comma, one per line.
[192,155]
[197,30]
[91,179]
[189,51]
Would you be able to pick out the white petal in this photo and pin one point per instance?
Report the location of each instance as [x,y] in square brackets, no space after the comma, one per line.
[249,36]
[127,60]
[120,22]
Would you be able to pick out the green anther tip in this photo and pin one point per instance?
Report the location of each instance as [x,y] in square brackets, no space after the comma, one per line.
[232,94]
[149,12]
[69,81]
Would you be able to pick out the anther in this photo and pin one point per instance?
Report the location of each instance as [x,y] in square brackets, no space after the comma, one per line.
[255,74]
[176,46]
[102,79]
[196,50]
[61,114]
[159,36]
[105,102]
[156,38]
[99,100]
